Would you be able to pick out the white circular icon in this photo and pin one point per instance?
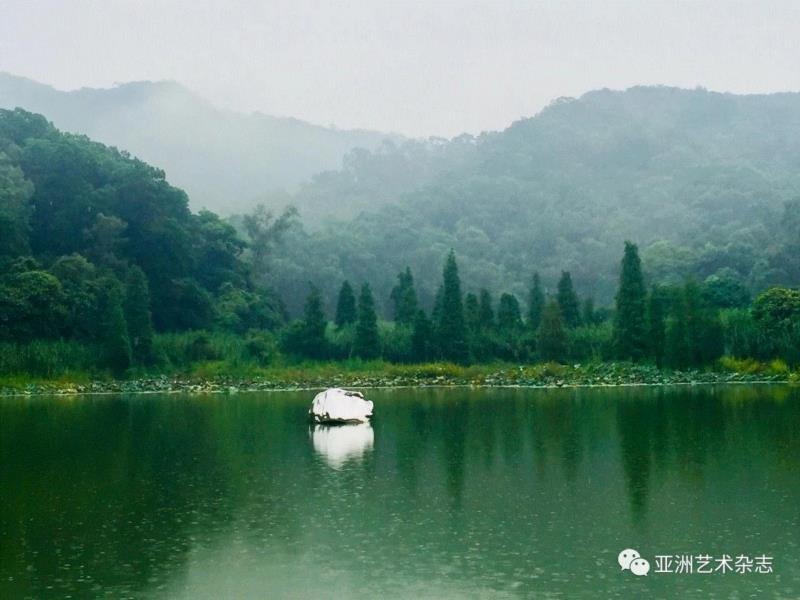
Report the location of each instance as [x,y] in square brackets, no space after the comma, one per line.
[626,557]
[640,566]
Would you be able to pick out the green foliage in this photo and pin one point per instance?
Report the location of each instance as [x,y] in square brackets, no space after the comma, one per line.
[113,329]
[656,332]
[345,306]
[485,311]
[367,343]
[450,327]
[535,302]
[404,298]
[568,301]
[306,337]
[552,340]
[630,326]
[590,343]
[138,317]
[509,318]
[422,342]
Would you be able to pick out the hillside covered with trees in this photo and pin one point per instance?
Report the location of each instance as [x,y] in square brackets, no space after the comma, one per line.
[104,269]
[225,160]
[706,183]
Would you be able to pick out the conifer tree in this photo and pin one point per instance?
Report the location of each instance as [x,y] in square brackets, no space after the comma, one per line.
[535,303]
[112,328]
[450,329]
[568,301]
[485,310]
[138,317]
[345,306]
[404,298]
[630,325]
[312,340]
[367,343]
[552,338]
[508,313]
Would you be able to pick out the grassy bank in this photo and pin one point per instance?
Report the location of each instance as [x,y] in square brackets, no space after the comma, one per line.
[220,376]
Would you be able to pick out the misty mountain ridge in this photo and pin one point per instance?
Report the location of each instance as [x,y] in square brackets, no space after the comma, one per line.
[225,160]
[699,179]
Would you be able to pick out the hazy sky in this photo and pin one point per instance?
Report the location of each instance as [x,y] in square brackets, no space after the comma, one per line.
[420,68]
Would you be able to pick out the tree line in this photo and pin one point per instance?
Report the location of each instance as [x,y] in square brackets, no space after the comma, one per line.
[682,326]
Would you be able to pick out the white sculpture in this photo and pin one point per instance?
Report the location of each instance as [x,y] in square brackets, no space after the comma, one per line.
[340,406]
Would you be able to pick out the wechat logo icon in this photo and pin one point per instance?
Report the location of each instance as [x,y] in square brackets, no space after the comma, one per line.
[630,560]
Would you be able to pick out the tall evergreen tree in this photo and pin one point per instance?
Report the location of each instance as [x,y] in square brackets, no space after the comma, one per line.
[485,310]
[630,324]
[312,342]
[535,303]
[508,313]
[656,332]
[552,341]
[138,317]
[404,298]
[345,306]
[568,301]
[367,343]
[113,329]
[422,338]
[450,329]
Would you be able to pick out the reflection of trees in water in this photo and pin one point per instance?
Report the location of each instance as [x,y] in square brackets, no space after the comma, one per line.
[102,486]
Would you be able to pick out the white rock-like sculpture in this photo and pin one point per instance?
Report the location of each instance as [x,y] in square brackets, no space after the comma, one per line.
[340,406]
[341,444]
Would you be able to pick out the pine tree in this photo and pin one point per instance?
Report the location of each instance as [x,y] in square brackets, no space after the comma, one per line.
[552,338]
[656,333]
[137,316]
[421,338]
[345,306]
[112,328]
[630,325]
[367,343]
[450,329]
[568,301]
[404,297]
[535,303]
[508,313]
[485,311]
[312,335]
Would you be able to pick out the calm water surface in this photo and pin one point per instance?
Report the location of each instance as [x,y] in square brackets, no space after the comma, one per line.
[450,494]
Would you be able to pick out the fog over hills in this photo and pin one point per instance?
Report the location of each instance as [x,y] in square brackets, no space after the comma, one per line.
[223,159]
[699,179]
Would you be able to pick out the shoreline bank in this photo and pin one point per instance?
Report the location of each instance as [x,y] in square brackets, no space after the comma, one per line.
[534,377]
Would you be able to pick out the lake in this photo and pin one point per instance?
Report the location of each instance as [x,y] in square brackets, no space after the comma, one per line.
[451,493]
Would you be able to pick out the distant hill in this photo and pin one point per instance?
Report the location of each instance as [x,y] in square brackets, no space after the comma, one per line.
[702,181]
[223,159]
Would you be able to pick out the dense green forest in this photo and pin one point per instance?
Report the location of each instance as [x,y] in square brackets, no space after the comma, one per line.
[103,268]
[706,183]
[225,160]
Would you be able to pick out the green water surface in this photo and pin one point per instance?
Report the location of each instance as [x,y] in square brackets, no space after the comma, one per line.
[451,493]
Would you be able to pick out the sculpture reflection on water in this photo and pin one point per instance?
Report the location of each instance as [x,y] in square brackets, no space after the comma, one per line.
[340,445]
